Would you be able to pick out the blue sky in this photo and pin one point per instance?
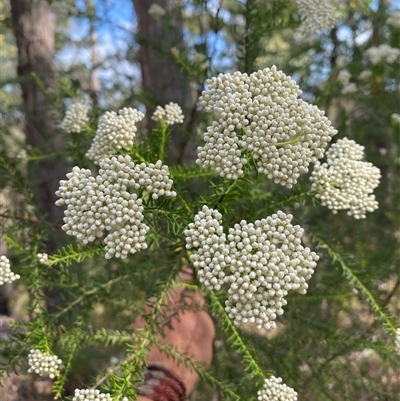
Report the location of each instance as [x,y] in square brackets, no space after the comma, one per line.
[115,26]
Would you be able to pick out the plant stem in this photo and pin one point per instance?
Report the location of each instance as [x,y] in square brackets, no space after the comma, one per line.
[138,156]
[163,138]
[357,282]
[35,221]
[289,142]
[236,338]
[226,192]
[90,292]
[184,203]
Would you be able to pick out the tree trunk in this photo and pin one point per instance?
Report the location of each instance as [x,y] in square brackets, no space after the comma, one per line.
[33,29]
[163,80]
[34,35]
[94,81]
[378,37]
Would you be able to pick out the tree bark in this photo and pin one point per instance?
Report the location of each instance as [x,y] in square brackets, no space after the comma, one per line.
[94,81]
[378,24]
[163,80]
[33,29]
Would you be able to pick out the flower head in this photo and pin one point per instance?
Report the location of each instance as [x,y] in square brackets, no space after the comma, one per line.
[395,118]
[43,258]
[341,61]
[349,88]
[345,181]
[44,364]
[344,77]
[260,114]
[274,390]
[91,395]
[115,131]
[261,261]
[320,14]
[75,117]
[108,202]
[22,154]
[394,19]
[6,275]
[212,256]
[156,11]
[365,74]
[382,53]
[397,341]
[170,114]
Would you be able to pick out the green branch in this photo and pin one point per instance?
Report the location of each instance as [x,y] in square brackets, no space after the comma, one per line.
[184,203]
[135,361]
[226,192]
[134,152]
[163,139]
[357,282]
[291,199]
[43,156]
[179,173]
[86,294]
[188,362]
[29,220]
[253,368]
[59,384]
[109,337]
[112,370]
[68,254]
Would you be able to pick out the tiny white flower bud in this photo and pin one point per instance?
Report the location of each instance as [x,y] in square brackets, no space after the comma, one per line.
[6,275]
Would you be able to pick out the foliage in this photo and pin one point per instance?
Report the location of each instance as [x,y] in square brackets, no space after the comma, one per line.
[334,343]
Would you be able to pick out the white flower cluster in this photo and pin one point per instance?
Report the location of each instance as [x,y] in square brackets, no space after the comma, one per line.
[261,113]
[366,74]
[394,19]
[156,11]
[341,61]
[115,131]
[155,178]
[92,395]
[345,181]
[395,118]
[6,275]
[344,77]
[319,14]
[43,258]
[22,154]
[171,114]
[349,88]
[200,60]
[212,256]
[397,341]
[75,117]
[382,53]
[265,259]
[274,390]
[44,364]
[106,203]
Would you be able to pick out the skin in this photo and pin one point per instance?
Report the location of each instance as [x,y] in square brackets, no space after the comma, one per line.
[191,333]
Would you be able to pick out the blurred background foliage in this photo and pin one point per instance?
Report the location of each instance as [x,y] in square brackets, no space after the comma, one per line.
[330,344]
